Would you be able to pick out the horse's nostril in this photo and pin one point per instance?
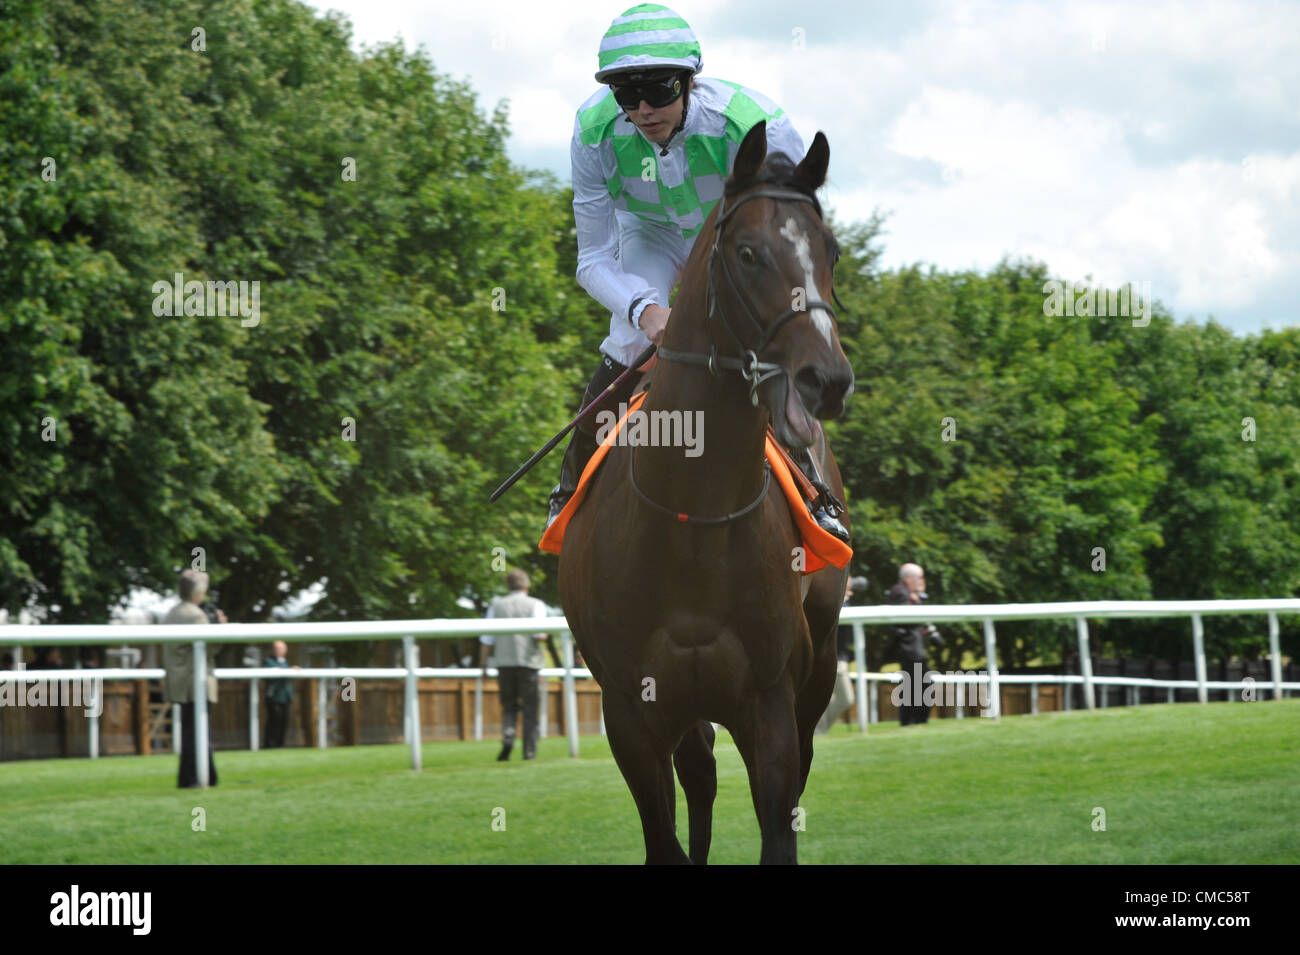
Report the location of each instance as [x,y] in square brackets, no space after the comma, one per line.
[843,384]
[823,393]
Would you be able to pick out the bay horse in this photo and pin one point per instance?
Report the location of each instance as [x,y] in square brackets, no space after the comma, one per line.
[691,620]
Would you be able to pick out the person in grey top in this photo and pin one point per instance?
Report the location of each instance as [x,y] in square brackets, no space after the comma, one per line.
[178,661]
[518,657]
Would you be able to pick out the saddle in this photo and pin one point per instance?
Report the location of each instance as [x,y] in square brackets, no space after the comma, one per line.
[819,548]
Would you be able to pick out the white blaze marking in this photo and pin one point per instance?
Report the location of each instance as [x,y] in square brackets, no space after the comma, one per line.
[800,242]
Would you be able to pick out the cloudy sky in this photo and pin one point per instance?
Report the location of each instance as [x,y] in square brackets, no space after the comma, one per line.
[1129,142]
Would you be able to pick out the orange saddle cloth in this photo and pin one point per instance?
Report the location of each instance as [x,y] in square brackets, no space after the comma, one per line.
[820,548]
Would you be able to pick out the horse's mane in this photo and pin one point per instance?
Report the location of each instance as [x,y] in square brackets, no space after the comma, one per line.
[777,170]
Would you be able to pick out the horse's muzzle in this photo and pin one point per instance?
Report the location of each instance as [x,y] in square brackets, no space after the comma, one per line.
[823,390]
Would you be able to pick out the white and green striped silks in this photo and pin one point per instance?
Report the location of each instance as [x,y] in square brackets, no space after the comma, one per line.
[681,188]
[648,36]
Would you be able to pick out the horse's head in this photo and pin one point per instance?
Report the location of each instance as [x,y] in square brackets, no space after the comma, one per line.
[771,260]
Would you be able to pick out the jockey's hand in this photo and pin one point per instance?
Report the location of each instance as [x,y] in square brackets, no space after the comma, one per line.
[653,322]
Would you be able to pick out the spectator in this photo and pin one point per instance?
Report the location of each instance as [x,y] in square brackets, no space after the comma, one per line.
[279,694]
[210,609]
[910,644]
[518,657]
[178,661]
[48,658]
[843,697]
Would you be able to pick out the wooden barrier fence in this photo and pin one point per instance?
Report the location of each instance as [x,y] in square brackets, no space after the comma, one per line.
[136,721]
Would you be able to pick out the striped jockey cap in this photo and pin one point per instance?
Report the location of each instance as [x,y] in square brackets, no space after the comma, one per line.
[648,37]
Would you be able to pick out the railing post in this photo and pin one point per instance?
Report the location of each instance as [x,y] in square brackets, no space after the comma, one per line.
[995,685]
[1274,656]
[92,731]
[543,705]
[1085,664]
[412,702]
[860,661]
[1033,699]
[254,697]
[478,704]
[176,727]
[322,717]
[201,712]
[570,693]
[1198,650]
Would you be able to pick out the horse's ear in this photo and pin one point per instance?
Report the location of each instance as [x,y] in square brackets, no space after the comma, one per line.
[812,170]
[753,149]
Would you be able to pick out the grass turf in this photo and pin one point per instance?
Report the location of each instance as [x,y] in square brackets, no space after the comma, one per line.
[1179,784]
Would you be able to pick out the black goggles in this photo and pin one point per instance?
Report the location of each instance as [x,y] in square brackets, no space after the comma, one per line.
[655,92]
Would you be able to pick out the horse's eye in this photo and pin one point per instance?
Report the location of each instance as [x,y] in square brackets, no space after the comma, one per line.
[747,255]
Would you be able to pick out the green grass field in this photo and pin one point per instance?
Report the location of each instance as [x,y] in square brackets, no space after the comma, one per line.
[1179,784]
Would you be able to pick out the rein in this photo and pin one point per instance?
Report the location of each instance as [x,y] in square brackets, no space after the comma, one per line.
[682,517]
[751,368]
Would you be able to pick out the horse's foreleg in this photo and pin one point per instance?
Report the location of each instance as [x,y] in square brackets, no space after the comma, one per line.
[698,771]
[823,614]
[814,697]
[769,743]
[647,767]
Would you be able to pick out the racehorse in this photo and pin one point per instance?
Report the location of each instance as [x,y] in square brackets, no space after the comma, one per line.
[680,574]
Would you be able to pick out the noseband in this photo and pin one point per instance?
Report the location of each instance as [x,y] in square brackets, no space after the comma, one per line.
[751,368]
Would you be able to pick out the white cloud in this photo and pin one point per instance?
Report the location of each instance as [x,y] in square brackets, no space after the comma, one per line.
[534,121]
[1130,141]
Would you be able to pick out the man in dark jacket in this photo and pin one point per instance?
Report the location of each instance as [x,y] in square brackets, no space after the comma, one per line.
[279,694]
[910,643]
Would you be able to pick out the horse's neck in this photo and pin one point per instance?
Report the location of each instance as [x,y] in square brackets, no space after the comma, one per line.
[723,470]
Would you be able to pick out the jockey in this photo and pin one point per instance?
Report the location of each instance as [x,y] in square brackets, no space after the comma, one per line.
[651,151]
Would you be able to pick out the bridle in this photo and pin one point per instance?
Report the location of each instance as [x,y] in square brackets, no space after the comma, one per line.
[748,363]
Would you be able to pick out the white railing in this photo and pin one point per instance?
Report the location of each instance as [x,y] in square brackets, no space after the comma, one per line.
[245,633]
[1080,612]
[19,635]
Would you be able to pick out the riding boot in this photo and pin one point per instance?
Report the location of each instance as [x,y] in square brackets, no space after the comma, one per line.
[581,447]
[582,442]
[825,507]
